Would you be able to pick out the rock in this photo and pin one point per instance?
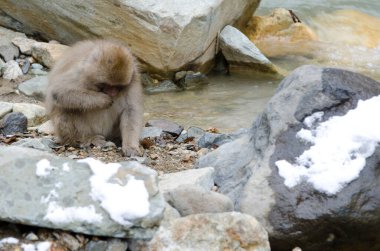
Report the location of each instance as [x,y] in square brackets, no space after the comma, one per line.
[24,44]
[12,123]
[112,245]
[69,241]
[24,64]
[36,114]
[180,75]
[151,132]
[2,64]
[7,50]
[37,66]
[240,52]
[72,195]
[222,231]
[38,72]
[168,35]
[5,108]
[292,215]
[11,70]
[203,177]
[209,140]
[193,80]
[164,86]
[43,144]
[48,54]
[190,199]
[31,237]
[170,214]
[192,132]
[46,128]
[35,87]
[167,126]
[278,35]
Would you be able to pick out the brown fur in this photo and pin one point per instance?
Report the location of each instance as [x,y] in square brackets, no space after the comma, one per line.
[82,108]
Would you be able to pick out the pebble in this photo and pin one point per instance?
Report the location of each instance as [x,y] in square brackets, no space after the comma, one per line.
[14,122]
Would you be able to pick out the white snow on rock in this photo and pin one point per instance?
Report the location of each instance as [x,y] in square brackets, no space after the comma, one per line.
[59,215]
[123,203]
[339,151]
[44,168]
[41,246]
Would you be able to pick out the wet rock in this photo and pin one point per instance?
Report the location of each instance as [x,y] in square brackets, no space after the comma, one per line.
[167,126]
[11,70]
[35,87]
[163,86]
[222,231]
[240,52]
[183,33]
[24,44]
[66,192]
[292,215]
[35,114]
[12,123]
[193,80]
[48,54]
[277,34]
[5,108]
[43,144]
[203,177]
[190,199]
[151,132]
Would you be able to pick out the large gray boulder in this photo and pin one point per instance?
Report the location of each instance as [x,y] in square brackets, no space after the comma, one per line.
[303,214]
[85,196]
[167,35]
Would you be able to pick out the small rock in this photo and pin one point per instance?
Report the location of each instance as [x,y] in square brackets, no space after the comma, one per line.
[38,72]
[5,108]
[210,140]
[193,80]
[167,126]
[69,241]
[180,75]
[190,199]
[31,237]
[164,86]
[154,156]
[36,114]
[46,128]
[2,64]
[151,132]
[222,231]
[11,70]
[24,64]
[203,177]
[112,245]
[9,52]
[24,44]
[43,144]
[37,66]
[12,123]
[35,87]
[240,51]
[48,54]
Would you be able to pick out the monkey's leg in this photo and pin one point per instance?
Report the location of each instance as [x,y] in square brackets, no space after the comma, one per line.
[81,99]
[130,127]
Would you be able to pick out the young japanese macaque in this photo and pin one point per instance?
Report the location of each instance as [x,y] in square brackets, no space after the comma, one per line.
[95,95]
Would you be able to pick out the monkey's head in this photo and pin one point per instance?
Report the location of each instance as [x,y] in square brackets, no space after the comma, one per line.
[113,68]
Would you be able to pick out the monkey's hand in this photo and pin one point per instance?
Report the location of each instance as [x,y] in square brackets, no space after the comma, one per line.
[105,101]
[130,151]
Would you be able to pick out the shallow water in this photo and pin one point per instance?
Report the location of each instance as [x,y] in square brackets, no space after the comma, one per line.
[232,102]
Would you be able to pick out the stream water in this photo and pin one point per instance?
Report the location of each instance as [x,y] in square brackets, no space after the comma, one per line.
[349,37]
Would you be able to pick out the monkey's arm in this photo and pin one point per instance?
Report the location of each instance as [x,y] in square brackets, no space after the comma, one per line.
[80,99]
[131,121]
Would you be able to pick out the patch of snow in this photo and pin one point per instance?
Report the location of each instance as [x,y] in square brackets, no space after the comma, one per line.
[59,215]
[315,117]
[9,240]
[28,247]
[339,151]
[66,167]
[43,168]
[52,194]
[123,203]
